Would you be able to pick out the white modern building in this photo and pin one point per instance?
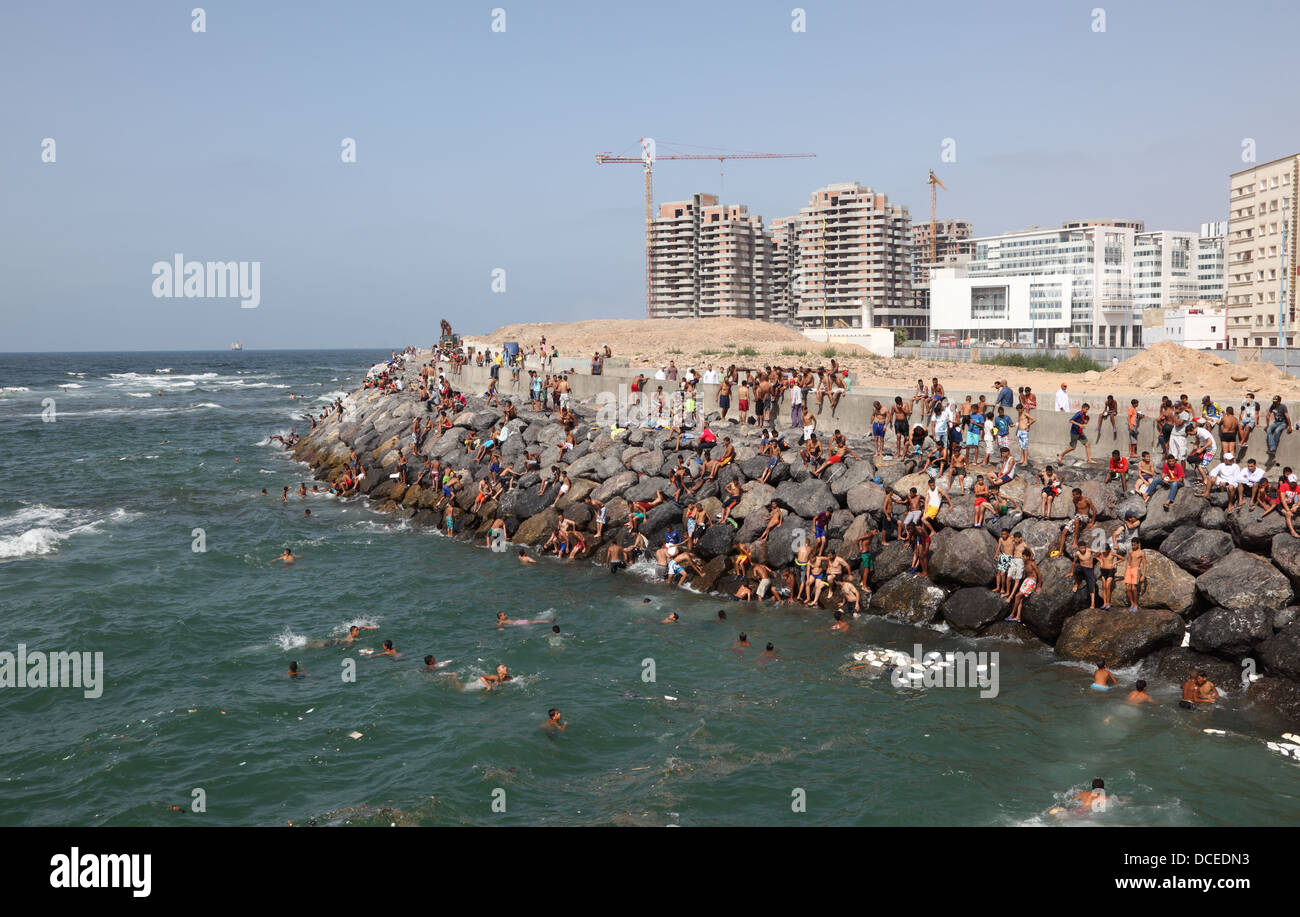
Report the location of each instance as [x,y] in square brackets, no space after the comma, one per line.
[1083,284]
[1201,327]
[1030,310]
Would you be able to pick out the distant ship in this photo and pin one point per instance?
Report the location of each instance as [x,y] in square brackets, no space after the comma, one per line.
[237,345]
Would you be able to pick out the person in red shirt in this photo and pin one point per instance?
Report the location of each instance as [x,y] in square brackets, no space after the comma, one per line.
[1119,469]
[1172,476]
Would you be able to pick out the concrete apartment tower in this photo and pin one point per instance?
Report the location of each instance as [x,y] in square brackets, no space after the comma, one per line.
[708,260]
[1261,208]
[853,260]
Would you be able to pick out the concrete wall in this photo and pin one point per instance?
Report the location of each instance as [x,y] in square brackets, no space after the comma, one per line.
[1048,436]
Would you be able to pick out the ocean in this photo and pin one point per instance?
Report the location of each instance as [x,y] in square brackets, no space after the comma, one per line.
[118,465]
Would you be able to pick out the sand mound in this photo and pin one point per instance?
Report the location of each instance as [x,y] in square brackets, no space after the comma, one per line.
[647,337]
[1171,369]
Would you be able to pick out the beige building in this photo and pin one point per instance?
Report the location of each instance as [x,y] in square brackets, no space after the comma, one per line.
[784,234]
[853,259]
[1261,209]
[708,260]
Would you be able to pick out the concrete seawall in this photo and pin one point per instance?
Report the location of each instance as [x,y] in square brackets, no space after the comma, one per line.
[1049,436]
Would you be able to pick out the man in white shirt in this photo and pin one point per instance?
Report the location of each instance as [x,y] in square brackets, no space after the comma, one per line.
[1250,478]
[1062,399]
[1226,475]
[711,376]
[661,374]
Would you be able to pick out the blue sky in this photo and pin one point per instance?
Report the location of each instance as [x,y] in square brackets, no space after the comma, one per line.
[475,149]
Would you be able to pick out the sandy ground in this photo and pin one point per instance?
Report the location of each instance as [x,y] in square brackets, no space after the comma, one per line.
[698,343]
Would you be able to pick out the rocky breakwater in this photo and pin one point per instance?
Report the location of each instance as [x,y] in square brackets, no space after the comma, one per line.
[1219,595]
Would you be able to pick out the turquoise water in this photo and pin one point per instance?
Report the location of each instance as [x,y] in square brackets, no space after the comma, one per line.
[96,528]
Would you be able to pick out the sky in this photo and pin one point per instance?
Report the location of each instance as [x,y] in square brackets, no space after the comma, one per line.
[475,147]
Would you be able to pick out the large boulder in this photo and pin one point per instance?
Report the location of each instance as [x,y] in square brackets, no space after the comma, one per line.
[1280,694]
[866,497]
[650,463]
[963,557]
[524,502]
[579,490]
[891,560]
[615,486]
[910,598]
[1281,653]
[919,479]
[1195,549]
[961,514]
[807,498]
[754,501]
[1119,637]
[1046,611]
[1231,632]
[1254,531]
[647,488]
[857,473]
[1176,664]
[1285,552]
[536,529]
[714,569]
[716,541]
[1159,522]
[1041,535]
[972,609]
[782,541]
[1167,585]
[1245,580]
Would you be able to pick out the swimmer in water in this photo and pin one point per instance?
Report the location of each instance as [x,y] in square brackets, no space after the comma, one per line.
[355,631]
[1093,800]
[503,621]
[768,654]
[431,664]
[387,651]
[501,677]
[742,641]
[722,615]
[524,558]
[1139,695]
[553,722]
[1102,679]
[285,558]
[671,619]
[294,671]
[840,624]
[1198,690]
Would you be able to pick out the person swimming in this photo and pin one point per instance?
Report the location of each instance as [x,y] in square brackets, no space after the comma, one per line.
[285,558]
[1139,695]
[503,621]
[1102,679]
[294,671]
[553,721]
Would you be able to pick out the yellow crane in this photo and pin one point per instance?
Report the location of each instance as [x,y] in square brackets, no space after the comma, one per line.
[934,223]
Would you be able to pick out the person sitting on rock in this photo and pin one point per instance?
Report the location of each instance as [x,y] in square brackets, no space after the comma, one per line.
[1027,585]
[1288,499]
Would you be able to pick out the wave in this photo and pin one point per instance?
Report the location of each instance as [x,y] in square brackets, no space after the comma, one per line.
[288,640]
[31,532]
[15,389]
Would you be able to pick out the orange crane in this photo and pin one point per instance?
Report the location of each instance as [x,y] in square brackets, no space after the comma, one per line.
[934,234]
[646,160]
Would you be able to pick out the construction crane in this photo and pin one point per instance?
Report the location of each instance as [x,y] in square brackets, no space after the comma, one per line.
[646,160]
[934,223]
